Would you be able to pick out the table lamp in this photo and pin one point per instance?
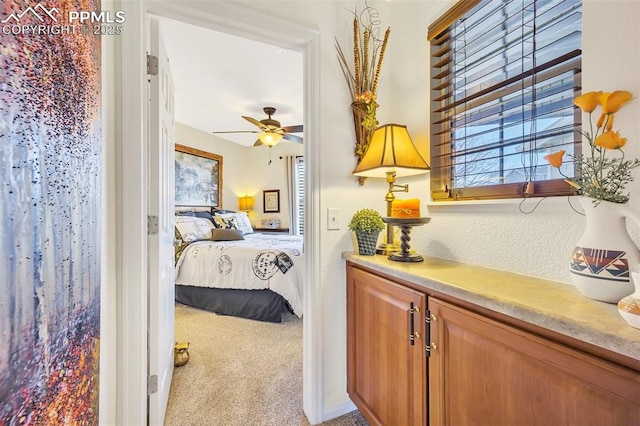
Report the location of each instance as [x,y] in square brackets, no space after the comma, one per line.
[245,203]
[391,154]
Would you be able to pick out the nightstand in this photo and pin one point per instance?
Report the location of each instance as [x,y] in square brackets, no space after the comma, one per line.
[271,230]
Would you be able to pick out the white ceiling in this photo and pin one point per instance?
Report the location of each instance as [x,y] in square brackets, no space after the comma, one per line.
[219,77]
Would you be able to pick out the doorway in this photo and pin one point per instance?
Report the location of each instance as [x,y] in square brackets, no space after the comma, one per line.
[132,325]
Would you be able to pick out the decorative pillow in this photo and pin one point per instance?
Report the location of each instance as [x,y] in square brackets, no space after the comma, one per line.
[241,220]
[180,245]
[193,228]
[225,235]
[205,215]
[222,223]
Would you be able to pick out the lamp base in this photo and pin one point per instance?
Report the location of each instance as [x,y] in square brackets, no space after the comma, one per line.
[400,256]
[386,248]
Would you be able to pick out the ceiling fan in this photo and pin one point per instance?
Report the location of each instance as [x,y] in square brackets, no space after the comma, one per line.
[271,132]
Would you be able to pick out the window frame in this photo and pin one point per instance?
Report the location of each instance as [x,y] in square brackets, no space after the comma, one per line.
[442,188]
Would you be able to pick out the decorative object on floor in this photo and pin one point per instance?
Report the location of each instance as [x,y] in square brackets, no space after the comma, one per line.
[366,224]
[629,307]
[405,208]
[405,224]
[603,254]
[245,203]
[600,262]
[181,354]
[362,79]
[391,153]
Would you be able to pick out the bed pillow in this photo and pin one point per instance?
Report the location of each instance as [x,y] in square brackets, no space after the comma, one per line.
[193,228]
[205,215]
[225,235]
[241,220]
[225,223]
[179,244]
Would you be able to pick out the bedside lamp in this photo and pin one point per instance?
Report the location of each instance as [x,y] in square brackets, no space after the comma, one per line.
[245,203]
[391,154]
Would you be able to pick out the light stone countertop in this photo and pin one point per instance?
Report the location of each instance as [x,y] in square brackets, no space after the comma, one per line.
[555,306]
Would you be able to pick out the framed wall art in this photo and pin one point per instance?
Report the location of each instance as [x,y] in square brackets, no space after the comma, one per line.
[198,177]
[271,201]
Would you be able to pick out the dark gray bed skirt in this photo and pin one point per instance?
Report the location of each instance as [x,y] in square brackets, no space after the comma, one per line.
[260,305]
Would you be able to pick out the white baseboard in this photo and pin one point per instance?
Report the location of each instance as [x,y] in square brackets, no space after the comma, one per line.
[338,411]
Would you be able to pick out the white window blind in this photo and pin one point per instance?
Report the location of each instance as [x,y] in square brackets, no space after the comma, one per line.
[299,199]
[504,74]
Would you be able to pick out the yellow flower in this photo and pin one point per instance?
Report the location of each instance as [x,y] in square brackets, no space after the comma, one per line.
[610,140]
[555,159]
[366,97]
[588,101]
[612,102]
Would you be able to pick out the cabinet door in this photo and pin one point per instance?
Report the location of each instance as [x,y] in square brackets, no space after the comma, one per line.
[483,372]
[386,368]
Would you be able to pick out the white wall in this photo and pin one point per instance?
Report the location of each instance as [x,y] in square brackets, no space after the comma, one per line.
[501,237]
[246,170]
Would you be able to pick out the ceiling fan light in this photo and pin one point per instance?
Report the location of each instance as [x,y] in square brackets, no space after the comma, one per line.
[270,138]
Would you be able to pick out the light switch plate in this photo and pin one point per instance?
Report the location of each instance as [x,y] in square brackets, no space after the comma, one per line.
[333,218]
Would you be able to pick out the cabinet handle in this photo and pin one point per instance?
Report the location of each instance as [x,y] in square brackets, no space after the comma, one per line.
[433,318]
[433,346]
[411,326]
[417,335]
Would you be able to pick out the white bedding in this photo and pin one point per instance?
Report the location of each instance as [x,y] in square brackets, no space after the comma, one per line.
[260,261]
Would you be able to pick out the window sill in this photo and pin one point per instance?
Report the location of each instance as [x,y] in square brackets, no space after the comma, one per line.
[511,205]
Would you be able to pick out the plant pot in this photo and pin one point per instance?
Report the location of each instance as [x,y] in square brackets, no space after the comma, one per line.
[367,242]
[603,254]
[629,307]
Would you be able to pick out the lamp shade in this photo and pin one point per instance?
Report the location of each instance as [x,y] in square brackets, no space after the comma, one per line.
[391,150]
[270,138]
[245,203]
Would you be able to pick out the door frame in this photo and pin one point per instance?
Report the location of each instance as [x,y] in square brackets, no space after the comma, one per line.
[132,227]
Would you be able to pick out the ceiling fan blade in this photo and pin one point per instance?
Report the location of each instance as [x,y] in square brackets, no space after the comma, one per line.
[293,129]
[292,138]
[239,131]
[258,142]
[255,122]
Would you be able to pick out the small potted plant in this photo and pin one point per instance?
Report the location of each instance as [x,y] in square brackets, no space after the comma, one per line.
[366,224]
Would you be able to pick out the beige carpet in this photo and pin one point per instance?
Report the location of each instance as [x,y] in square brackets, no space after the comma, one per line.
[240,372]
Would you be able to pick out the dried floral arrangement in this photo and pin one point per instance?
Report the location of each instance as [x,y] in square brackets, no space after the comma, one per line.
[362,74]
[601,177]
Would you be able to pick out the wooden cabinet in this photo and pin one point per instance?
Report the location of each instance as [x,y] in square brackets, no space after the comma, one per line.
[485,372]
[271,230]
[484,368]
[386,364]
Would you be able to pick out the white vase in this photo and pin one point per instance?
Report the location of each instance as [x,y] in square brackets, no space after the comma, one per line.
[629,307]
[603,255]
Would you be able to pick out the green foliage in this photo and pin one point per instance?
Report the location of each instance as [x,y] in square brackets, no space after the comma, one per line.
[605,178]
[366,220]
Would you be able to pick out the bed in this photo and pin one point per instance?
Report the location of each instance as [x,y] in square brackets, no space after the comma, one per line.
[223,267]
